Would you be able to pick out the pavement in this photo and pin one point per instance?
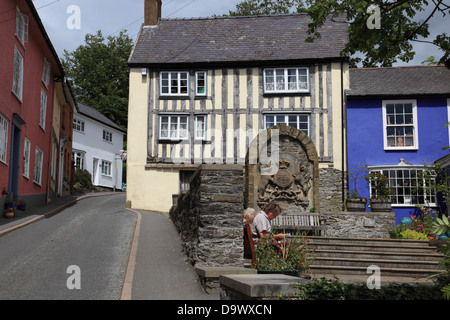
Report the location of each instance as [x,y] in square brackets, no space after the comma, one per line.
[157,267]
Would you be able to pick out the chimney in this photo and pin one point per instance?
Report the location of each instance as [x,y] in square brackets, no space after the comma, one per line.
[152,10]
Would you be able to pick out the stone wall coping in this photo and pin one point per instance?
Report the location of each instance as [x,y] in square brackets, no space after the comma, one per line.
[222,167]
[216,272]
[261,285]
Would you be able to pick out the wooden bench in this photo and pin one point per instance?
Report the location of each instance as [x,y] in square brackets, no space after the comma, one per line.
[300,221]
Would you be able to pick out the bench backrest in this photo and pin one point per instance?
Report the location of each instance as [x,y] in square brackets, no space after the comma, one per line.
[298,219]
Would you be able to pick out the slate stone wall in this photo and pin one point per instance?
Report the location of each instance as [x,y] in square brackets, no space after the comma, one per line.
[330,190]
[359,224]
[209,216]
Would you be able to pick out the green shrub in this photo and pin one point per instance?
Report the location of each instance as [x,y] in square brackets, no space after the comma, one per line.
[326,289]
[82,180]
[411,234]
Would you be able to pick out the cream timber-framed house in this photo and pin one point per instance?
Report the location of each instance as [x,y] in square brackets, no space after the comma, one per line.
[201,90]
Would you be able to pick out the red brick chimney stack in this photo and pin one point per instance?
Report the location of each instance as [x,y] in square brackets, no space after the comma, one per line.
[152,10]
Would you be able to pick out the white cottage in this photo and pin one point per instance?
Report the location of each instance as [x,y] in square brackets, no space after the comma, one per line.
[97,147]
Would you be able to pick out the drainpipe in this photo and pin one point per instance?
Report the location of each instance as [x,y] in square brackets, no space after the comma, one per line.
[343,141]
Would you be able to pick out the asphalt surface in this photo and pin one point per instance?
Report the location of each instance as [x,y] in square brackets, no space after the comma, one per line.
[155,266]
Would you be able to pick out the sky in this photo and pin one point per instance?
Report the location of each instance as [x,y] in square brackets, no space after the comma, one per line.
[112,16]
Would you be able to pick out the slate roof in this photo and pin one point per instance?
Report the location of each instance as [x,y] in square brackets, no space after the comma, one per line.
[92,113]
[399,81]
[237,39]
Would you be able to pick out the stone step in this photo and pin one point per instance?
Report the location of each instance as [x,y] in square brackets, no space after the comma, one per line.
[370,241]
[382,263]
[379,255]
[395,258]
[361,271]
[373,248]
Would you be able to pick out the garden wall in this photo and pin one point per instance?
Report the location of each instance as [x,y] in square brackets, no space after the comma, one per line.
[209,216]
[359,224]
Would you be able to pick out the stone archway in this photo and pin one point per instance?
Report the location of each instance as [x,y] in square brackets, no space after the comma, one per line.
[294,183]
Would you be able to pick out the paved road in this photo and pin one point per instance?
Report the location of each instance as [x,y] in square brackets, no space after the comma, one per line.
[94,234]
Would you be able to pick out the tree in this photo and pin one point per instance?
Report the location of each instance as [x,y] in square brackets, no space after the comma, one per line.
[382,45]
[99,73]
[264,7]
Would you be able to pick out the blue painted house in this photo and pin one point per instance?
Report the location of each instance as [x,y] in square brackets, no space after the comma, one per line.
[396,124]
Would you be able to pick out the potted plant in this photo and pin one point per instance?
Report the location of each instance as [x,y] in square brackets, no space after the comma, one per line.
[292,257]
[9,209]
[356,203]
[380,196]
[21,205]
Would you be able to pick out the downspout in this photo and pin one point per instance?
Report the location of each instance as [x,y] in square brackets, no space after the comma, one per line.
[343,139]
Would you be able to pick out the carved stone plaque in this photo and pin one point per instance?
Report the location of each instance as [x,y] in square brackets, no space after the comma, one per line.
[294,186]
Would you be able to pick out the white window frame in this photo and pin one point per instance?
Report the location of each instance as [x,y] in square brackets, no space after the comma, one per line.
[107,136]
[200,134]
[26,158]
[170,78]
[283,73]
[43,109]
[414,126]
[174,127]
[405,184]
[78,125]
[277,120]
[79,157]
[198,87]
[4,125]
[46,73]
[22,23]
[17,88]
[106,168]
[38,163]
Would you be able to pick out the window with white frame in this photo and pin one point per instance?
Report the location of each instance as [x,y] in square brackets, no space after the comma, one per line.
[173,127]
[78,125]
[286,80]
[79,159]
[21,26]
[43,110]
[38,161]
[18,74]
[4,124]
[107,136]
[400,125]
[200,83]
[409,186]
[174,83]
[200,127]
[106,168]
[26,158]
[298,121]
[46,73]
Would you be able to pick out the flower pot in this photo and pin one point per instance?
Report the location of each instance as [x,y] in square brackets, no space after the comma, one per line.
[9,214]
[356,204]
[380,205]
[21,207]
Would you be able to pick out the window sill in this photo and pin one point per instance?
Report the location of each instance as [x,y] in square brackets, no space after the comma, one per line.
[286,94]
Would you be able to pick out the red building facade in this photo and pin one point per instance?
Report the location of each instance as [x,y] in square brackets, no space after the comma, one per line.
[30,69]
